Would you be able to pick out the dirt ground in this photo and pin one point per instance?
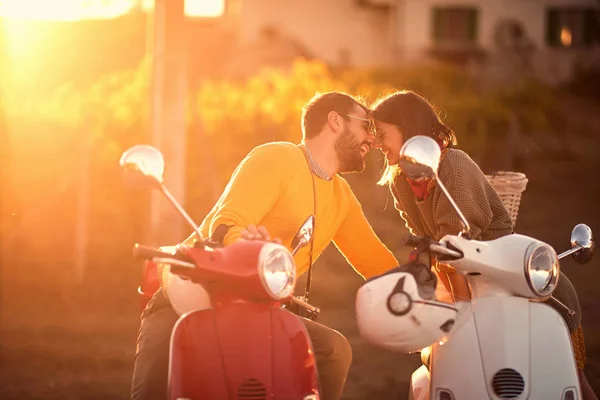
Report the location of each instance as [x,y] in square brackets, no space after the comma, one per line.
[80,345]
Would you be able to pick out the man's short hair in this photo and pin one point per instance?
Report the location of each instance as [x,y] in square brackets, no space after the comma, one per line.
[315,111]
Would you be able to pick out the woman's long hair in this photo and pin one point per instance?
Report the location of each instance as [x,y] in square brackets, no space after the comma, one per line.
[413,115]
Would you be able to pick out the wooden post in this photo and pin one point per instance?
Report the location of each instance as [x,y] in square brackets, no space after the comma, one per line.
[83,207]
[169,81]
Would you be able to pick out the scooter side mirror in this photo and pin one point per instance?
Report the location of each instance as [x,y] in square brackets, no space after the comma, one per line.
[582,239]
[304,234]
[583,245]
[420,159]
[143,166]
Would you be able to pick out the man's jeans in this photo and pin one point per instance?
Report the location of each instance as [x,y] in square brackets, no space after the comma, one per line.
[332,351]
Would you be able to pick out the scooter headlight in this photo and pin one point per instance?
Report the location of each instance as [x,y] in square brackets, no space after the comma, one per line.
[541,268]
[277,270]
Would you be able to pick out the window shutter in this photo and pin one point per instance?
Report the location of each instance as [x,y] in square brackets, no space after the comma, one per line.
[552,28]
[473,25]
[591,19]
[436,24]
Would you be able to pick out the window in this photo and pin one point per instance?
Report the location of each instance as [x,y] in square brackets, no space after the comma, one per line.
[455,25]
[197,8]
[572,27]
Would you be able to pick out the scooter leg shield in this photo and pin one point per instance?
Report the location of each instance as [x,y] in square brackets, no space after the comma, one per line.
[241,349]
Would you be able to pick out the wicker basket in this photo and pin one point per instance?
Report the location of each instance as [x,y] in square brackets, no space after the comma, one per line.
[509,186]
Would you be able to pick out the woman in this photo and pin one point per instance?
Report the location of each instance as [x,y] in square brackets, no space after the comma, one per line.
[426,209]
[427,212]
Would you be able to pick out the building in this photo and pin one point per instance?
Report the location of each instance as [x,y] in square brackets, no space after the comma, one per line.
[549,38]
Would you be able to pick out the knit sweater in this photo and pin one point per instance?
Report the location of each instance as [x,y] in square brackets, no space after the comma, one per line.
[273,187]
[435,217]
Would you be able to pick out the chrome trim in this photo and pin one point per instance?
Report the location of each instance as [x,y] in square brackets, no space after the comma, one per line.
[311,397]
[570,393]
[171,261]
[444,394]
[266,249]
[529,252]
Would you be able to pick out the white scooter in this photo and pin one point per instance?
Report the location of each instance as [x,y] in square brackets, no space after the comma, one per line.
[503,343]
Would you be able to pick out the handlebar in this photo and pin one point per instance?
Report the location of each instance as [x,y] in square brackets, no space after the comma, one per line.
[425,243]
[183,263]
[413,240]
[444,251]
[150,253]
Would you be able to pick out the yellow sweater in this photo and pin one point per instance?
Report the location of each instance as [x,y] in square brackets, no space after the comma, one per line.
[272,187]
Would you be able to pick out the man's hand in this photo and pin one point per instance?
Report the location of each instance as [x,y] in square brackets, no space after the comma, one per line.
[253,232]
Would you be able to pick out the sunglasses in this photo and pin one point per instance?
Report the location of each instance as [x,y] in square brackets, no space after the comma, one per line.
[371,127]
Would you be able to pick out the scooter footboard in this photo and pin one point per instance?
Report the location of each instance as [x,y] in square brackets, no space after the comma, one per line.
[241,349]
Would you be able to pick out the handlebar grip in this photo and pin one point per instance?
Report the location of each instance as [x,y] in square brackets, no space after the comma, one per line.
[412,240]
[147,252]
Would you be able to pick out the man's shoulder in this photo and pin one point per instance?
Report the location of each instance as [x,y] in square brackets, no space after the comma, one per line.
[277,150]
[278,147]
[341,181]
[343,187]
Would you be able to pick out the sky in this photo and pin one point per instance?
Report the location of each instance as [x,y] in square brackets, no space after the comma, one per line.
[69,10]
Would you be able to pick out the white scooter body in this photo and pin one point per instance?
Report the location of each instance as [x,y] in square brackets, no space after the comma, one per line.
[503,343]
[526,343]
[509,347]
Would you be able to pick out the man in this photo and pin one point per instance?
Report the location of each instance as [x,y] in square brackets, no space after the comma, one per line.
[277,186]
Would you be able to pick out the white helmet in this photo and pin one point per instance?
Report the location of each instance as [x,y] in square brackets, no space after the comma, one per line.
[398,311]
[184,295]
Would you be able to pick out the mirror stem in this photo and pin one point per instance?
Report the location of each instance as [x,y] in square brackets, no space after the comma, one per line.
[567,309]
[569,252]
[298,246]
[180,209]
[302,303]
[466,226]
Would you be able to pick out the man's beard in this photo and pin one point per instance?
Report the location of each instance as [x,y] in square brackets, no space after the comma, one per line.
[347,148]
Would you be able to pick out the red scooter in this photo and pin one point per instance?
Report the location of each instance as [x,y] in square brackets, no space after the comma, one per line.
[245,345]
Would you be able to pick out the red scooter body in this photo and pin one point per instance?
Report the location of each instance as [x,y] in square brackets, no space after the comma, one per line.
[246,346]
[150,283]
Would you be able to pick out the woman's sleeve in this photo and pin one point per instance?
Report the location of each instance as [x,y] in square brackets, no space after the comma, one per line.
[466,183]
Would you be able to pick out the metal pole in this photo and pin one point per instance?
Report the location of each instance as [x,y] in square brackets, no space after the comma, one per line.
[169,83]
[6,195]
